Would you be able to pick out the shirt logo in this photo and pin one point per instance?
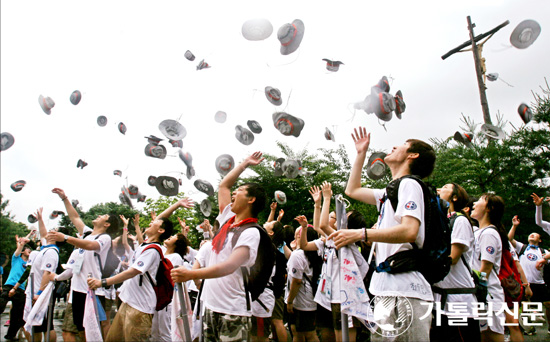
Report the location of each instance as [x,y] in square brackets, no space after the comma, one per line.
[293,270]
[490,250]
[410,205]
[81,251]
[532,257]
[140,263]
[48,265]
[72,261]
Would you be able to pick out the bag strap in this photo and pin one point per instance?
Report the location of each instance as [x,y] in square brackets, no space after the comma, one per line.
[522,250]
[155,246]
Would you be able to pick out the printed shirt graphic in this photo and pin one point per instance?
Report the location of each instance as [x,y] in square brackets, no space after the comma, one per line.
[528,261]
[410,203]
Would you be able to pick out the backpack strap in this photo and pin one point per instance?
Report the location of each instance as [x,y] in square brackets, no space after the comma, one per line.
[155,246]
[97,254]
[522,250]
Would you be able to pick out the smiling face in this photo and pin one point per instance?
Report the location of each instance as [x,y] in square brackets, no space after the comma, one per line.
[154,228]
[480,208]
[534,239]
[398,154]
[240,199]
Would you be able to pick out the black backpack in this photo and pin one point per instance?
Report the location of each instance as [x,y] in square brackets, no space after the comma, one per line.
[545,268]
[433,260]
[278,281]
[111,260]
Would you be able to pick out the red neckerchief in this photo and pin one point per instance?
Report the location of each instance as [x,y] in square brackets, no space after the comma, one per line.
[219,240]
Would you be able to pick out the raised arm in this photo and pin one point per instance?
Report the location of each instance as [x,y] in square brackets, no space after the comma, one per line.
[315,193]
[41,226]
[139,233]
[538,213]
[71,211]
[125,233]
[512,232]
[303,243]
[184,202]
[272,208]
[224,189]
[325,211]
[20,244]
[353,189]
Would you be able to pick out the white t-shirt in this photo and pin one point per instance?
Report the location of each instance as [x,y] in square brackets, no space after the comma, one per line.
[459,276]
[142,297]
[488,246]
[268,300]
[297,267]
[69,265]
[32,256]
[175,259]
[528,261]
[408,284]
[190,256]
[45,260]
[90,264]
[201,257]
[226,295]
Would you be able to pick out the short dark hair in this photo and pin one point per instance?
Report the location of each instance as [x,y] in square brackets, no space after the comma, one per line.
[257,191]
[356,220]
[425,163]
[278,236]
[114,225]
[462,197]
[168,227]
[495,207]
[181,244]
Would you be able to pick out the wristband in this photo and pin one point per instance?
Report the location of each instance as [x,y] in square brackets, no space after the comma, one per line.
[364,237]
[104,282]
[63,199]
[39,292]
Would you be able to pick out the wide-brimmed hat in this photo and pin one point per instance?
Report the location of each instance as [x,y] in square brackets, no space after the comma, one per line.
[399,104]
[76,96]
[172,129]
[102,120]
[204,186]
[6,141]
[176,143]
[332,65]
[525,34]
[376,167]
[291,168]
[18,186]
[525,113]
[244,135]
[167,186]
[81,164]
[273,95]
[278,165]
[141,197]
[125,199]
[32,219]
[153,140]
[493,131]
[492,76]
[189,55]
[383,104]
[122,128]
[287,124]
[463,138]
[329,135]
[256,29]
[224,164]
[186,157]
[133,191]
[280,197]
[117,173]
[254,126]
[151,180]
[290,36]
[155,151]
[206,207]
[202,65]
[220,116]
[55,214]
[75,203]
[46,103]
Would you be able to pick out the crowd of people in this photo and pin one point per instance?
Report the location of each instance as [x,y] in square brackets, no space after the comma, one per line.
[307,289]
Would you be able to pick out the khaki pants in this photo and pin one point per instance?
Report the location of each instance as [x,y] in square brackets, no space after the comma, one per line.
[130,325]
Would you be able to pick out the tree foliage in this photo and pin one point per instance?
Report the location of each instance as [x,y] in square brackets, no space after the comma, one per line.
[8,230]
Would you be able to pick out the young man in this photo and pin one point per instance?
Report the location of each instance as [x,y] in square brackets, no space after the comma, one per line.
[134,318]
[226,317]
[396,229]
[96,242]
[14,291]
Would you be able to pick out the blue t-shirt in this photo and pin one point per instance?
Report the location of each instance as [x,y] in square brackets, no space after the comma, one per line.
[18,266]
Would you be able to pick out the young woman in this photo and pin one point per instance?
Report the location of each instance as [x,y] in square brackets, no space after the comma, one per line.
[459,278]
[490,241]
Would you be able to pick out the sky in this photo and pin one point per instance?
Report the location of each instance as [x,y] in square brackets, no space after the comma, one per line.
[127,59]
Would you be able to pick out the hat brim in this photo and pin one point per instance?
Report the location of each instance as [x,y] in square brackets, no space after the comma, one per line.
[150,147]
[296,124]
[257,29]
[270,99]
[230,161]
[493,131]
[164,190]
[42,102]
[254,126]
[206,207]
[295,43]
[375,156]
[204,186]
[75,98]
[102,121]
[278,199]
[172,129]
[244,135]
[6,140]
[516,36]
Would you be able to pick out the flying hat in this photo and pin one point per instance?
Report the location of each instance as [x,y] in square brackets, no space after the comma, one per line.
[206,207]
[102,120]
[122,128]
[76,96]
[46,103]
[125,199]
[204,186]
[18,186]
[75,203]
[273,95]
[133,191]
[141,197]
[151,180]
[167,186]
[81,164]
[254,126]
[190,172]
[172,129]
[186,158]
[463,138]
[493,76]
[243,135]
[202,65]
[256,29]
[288,124]
[525,113]
[383,103]
[382,85]
[32,219]
[153,140]
[525,34]
[280,197]
[492,131]
[117,173]
[176,143]
[376,166]
[329,135]
[224,164]
[155,151]
[290,36]
[56,213]
[291,168]
[220,116]
[6,141]
[189,55]
[278,165]
[332,65]
[399,104]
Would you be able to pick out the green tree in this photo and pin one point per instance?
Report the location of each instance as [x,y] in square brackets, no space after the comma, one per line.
[8,230]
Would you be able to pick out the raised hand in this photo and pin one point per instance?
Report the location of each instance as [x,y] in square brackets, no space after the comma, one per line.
[39,214]
[254,159]
[59,192]
[315,193]
[536,199]
[327,189]
[515,221]
[125,221]
[186,203]
[302,220]
[273,206]
[361,139]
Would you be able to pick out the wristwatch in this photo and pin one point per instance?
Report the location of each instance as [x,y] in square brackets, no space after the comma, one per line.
[104,282]
[66,238]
